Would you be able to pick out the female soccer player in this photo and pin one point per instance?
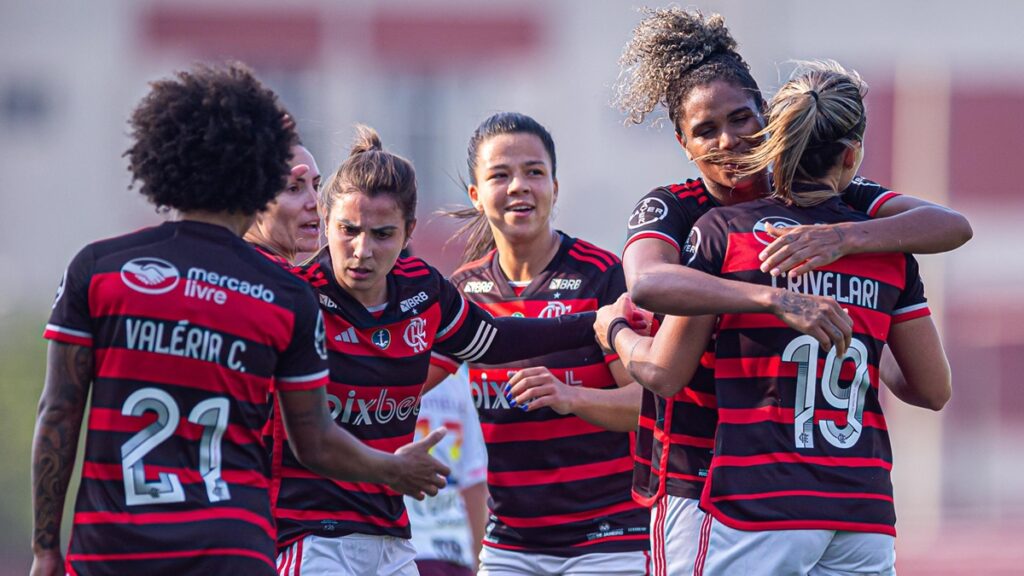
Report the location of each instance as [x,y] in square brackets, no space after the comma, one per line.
[558,441]
[689,65]
[385,316]
[799,483]
[182,328]
[290,225]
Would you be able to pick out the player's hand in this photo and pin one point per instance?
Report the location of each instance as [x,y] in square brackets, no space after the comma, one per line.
[47,564]
[536,387]
[817,316]
[639,320]
[800,249]
[419,473]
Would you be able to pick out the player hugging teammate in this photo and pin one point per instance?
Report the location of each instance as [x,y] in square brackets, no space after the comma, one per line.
[254,415]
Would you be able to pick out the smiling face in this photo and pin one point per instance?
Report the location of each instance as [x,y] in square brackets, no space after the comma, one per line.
[365,236]
[515,187]
[718,116]
[291,224]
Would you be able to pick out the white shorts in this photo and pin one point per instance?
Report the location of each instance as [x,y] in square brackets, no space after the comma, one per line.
[498,562]
[675,532]
[729,552]
[352,555]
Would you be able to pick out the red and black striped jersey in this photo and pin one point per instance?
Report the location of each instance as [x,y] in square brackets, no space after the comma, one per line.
[675,435]
[189,326]
[378,364]
[801,441]
[559,485]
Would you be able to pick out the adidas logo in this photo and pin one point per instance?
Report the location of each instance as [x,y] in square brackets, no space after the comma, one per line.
[348,336]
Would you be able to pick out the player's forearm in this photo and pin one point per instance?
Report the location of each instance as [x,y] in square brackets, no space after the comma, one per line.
[327,449]
[523,338]
[921,230]
[55,442]
[616,409]
[680,291]
[345,458]
[635,353]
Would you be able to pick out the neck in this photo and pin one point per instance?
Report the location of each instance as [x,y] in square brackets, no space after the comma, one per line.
[522,260]
[750,188]
[237,223]
[255,235]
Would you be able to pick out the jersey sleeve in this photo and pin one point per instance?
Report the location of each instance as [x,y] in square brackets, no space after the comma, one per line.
[866,196]
[303,365]
[659,215]
[705,247]
[911,303]
[471,334]
[70,321]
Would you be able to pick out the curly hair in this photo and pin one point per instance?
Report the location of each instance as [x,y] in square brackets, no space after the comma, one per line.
[672,51]
[371,170]
[212,139]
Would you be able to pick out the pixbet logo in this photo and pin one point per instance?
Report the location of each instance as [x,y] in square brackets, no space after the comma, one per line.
[367,411]
[150,275]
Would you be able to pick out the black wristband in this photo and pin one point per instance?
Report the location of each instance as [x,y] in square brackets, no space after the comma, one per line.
[613,330]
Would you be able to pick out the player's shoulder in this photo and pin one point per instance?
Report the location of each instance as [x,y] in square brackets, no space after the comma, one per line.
[474,270]
[587,257]
[413,275]
[691,188]
[131,241]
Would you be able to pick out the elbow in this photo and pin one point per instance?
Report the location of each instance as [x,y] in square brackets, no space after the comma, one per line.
[963,230]
[308,452]
[938,401]
[656,380]
[642,290]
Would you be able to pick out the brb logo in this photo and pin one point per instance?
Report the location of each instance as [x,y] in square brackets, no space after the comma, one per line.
[415,335]
[648,211]
[150,275]
[554,310]
[761,227]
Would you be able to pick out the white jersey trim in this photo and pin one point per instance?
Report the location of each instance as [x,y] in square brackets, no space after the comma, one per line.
[305,377]
[911,308]
[458,317]
[68,331]
[660,235]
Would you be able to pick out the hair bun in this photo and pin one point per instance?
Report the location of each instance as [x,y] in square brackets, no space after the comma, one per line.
[366,140]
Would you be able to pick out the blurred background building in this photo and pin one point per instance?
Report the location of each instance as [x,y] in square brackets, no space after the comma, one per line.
[946,124]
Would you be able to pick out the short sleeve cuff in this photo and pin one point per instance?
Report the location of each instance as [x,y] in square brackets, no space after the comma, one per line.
[302,382]
[910,312]
[67,335]
[880,201]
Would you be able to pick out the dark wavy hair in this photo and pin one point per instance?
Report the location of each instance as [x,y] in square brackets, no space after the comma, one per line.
[476,230]
[371,170]
[210,138]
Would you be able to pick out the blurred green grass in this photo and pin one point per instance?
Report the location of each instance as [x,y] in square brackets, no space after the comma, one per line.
[22,368]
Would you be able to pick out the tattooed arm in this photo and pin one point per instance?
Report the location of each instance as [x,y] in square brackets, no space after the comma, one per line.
[69,372]
[657,282]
